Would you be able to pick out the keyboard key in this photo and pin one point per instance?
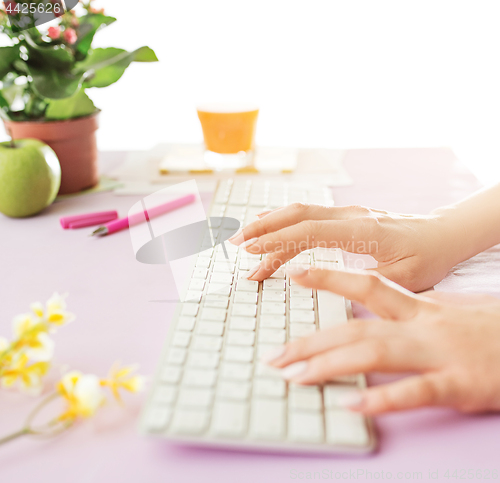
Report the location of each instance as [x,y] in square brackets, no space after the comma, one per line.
[272,308]
[301,330]
[157,418]
[200,273]
[301,303]
[236,371]
[239,391]
[265,348]
[210,360]
[186,323]
[203,262]
[268,387]
[200,378]
[216,303]
[247,285]
[240,337]
[217,315]
[331,309]
[345,427]
[305,400]
[273,321]
[272,336]
[194,397]
[263,370]
[238,354]
[246,310]
[164,395]
[273,296]
[279,274]
[300,292]
[193,296]
[302,316]
[189,309]
[219,288]
[229,419]
[224,267]
[245,298]
[267,419]
[181,339]
[221,278]
[305,427]
[242,323]
[207,343]
[197,284]
[171,374]
[176,356]
[221,260]
[332,392]
[272,284]
[210,328]
[189,421]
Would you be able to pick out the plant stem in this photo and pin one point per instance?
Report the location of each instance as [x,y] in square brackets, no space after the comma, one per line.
[12,143]
[17,434]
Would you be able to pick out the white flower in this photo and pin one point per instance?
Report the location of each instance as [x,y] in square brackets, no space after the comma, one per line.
[83,393]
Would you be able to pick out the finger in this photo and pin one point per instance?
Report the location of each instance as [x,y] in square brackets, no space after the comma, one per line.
[381,296]
[350,235]
[328,339]
[432,389]
[269,265]
[380,355]
[280,218]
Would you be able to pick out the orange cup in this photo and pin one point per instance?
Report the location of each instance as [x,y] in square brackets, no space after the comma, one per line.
[228,128]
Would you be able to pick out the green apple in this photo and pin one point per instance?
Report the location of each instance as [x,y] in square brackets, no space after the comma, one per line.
[30,176]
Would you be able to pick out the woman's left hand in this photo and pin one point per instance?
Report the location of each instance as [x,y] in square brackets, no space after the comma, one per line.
[454,348]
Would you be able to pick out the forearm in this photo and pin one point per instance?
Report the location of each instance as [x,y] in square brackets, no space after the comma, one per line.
[473,224]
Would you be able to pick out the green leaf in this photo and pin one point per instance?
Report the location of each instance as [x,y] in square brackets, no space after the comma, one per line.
[7,56]
[106,66]
[53,84]
[57,56]
[89,25]
[74,106]
[4,107]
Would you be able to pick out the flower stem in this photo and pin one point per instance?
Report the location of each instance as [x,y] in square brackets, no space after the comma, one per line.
[17,434]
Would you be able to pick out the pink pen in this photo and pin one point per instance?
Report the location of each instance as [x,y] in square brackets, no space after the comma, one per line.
[123,223]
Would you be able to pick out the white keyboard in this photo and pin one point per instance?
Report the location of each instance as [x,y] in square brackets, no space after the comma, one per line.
[211,388]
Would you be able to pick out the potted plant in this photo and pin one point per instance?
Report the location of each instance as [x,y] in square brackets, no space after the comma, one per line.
[45,73]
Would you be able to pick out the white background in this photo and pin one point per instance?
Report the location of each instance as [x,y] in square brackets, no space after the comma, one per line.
[341,74]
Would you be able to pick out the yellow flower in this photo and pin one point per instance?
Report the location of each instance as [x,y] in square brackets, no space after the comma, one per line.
[123,378]
[55,312]
[29,376]
[83,394]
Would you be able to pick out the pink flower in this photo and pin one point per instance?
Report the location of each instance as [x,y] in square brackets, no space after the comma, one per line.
[70,36]
[75,22]
[97,10]
[54,32]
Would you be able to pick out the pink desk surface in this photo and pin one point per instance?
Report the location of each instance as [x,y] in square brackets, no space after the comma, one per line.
[109,292]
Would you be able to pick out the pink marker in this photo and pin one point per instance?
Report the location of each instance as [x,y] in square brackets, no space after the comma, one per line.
[123,223]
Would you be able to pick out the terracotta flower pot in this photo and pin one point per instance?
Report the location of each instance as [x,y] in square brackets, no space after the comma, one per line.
[74,142]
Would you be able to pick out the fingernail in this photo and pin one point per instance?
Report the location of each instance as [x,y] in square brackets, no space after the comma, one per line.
[264,213]
[248,242]
[297,270]
[273,354]
[294,370]
[351,399]
[237,238]
[252,271]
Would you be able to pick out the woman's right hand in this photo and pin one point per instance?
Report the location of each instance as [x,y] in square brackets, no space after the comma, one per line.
[415,251]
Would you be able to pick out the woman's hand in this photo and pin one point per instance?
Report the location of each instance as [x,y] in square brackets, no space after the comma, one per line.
[414,251]
[454,348]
